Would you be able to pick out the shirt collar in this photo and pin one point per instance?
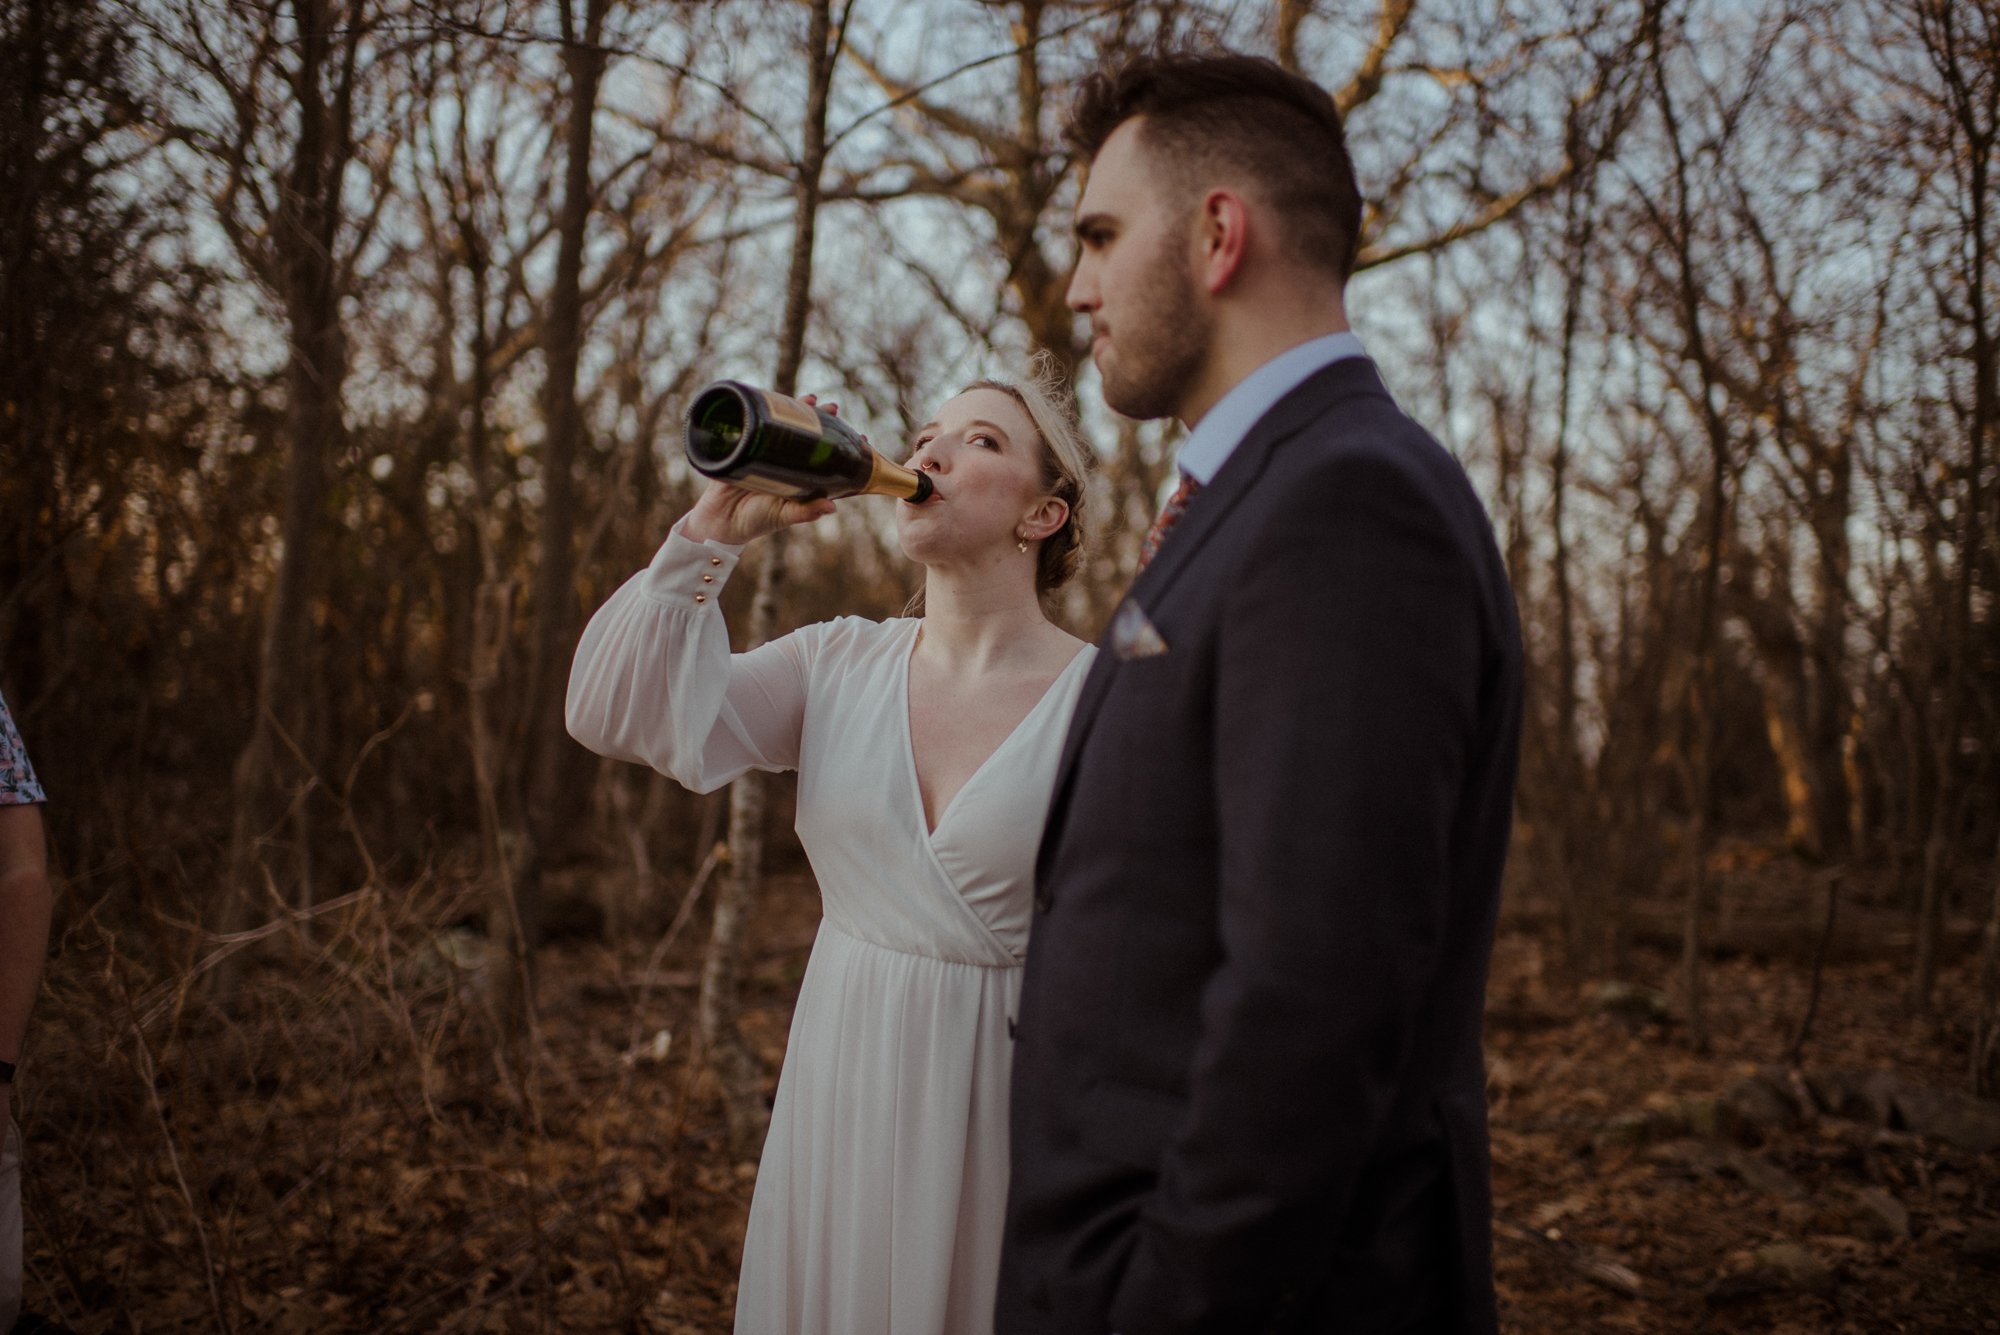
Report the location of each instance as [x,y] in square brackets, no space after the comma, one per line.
[1225,425]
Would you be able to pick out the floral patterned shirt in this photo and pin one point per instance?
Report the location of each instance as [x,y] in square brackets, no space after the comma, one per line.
[17,777]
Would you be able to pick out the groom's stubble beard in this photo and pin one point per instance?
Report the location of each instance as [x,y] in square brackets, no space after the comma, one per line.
[1164,339]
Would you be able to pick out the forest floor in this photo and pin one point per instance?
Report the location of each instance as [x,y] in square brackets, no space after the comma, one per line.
[348,1143]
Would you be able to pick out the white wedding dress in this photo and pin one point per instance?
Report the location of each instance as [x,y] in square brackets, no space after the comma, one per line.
[879,1202]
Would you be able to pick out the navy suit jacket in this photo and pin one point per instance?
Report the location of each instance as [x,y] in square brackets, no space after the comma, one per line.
[1248,1088]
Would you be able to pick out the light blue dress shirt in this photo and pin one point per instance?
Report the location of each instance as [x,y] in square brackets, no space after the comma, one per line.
[1224,426]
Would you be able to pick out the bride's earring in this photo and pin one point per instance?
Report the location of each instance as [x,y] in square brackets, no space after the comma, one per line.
[1020,543]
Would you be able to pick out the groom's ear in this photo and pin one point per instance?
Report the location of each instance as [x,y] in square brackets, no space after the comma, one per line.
[1222,239]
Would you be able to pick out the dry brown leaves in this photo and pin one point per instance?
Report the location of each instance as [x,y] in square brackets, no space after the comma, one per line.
[348,1142]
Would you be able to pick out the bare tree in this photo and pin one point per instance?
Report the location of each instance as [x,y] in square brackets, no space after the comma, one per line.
[735,1065]
[554,791]
[1955,41]
[294,182]
[1676,258]
[89,315]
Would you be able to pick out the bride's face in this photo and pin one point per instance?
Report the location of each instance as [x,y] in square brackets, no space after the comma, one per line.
[984,458]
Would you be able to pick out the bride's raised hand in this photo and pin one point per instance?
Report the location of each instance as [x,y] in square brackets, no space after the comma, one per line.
[732,514]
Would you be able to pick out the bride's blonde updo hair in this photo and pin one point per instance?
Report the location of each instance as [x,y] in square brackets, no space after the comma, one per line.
[1066,463]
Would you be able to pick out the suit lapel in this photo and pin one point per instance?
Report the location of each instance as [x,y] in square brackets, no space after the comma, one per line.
[1205,514]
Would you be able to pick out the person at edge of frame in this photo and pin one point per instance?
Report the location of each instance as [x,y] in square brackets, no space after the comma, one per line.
[24,941]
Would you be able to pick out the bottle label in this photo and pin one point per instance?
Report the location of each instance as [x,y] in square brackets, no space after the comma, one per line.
[773,486]
[790,412]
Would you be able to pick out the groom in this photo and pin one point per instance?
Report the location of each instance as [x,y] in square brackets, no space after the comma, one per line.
[1248,1086]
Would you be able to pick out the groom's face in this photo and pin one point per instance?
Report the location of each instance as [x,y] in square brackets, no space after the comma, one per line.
[1150,331]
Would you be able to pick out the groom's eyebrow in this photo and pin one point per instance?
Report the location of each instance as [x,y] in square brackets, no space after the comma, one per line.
[1092,224]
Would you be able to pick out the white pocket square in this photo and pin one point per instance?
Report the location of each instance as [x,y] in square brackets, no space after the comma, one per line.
[1133,636]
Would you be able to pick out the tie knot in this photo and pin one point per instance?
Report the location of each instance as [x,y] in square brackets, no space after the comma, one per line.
[1169,515]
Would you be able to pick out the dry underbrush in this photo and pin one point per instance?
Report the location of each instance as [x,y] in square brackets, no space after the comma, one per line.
[350,1142]
[1867,1224]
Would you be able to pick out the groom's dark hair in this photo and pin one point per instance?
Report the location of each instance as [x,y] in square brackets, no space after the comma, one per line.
[1212,116]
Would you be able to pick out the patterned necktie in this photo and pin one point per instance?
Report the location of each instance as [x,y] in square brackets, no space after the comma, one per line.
[1169,515]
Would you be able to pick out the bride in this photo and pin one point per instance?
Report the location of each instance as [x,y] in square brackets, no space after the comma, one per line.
[926,749]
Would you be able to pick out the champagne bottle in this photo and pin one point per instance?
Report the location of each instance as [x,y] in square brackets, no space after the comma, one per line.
[773,443]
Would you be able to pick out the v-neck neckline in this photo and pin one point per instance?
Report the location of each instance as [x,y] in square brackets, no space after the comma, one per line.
[910,736]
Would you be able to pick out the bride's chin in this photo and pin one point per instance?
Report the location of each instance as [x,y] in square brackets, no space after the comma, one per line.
[924,543]
[920,552]
[928,550]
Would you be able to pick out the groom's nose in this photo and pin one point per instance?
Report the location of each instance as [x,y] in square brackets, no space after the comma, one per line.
[1082,296]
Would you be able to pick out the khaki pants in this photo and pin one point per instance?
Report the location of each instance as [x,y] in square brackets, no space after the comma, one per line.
[10,1226]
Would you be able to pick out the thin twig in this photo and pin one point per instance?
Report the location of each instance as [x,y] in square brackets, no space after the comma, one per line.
[231,942]
[149,1075]
[717,855]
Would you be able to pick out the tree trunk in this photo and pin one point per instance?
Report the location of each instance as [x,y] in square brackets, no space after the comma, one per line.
[729,1057]
[1582,898]
[737,1069]
[503,982]
[1931,901]
[1290,14]
[303,241]
[1986,1028]
[1041,287]
[1972,101]
[1801,778]
[556,791]
[1699,769]
[1704,707]
[1829,708]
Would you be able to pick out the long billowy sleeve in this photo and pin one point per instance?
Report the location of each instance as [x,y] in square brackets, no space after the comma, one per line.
[654,681]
